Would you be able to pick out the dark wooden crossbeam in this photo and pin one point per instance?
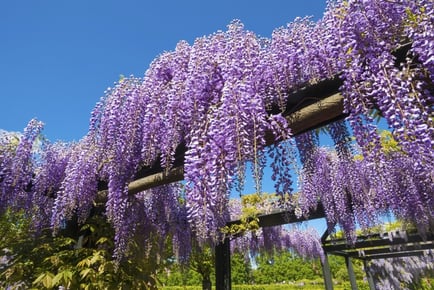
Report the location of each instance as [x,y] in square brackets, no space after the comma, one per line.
[282,217]
[386,252]
[312,116]
[379,246]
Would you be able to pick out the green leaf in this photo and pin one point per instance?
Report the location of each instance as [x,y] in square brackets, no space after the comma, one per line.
[67,275]
[57,278]
[83,263]
[96,258]
[102,240]
[89,227]
[46,279]
[85,272]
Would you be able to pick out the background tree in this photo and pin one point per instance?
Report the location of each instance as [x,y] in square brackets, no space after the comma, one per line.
[285,266]
[241,269]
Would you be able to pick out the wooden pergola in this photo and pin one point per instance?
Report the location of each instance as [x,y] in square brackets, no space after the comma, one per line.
[275,218]
[310,107]
[399,243]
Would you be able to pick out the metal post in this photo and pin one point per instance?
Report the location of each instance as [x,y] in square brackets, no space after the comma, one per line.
[223,266]
[351,273]
[369,276]
[326,272]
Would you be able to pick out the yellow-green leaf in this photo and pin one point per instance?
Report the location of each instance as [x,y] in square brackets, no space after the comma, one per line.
[101,240]
[46,279]
[85,272]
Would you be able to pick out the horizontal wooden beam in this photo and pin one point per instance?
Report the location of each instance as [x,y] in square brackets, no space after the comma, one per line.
[157,179]
[317,114]
[282,217]
[377,241]
[310,117]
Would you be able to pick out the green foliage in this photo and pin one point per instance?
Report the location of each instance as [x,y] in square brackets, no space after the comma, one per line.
[278,270]
[47,262]
[339,269]
[177,275]
[18,248]
[388,144]
[285,266]
[202,262]
[200,269]
[249,216]
[304,284]
[252,206]
[241,269]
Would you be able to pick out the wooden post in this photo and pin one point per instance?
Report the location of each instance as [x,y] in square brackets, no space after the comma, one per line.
[326,272]
[223,265]
[368,275]
[351,273]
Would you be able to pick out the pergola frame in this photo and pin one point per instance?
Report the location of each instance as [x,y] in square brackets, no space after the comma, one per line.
[275,218]
[307,108]
[400,243]
[367,247]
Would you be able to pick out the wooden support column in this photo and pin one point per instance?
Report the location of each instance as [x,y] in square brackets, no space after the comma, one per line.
[368,276]
[351,274]
[326,272]
[223,265]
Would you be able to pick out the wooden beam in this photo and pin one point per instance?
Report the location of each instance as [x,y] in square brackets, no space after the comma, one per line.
[351,273]
[310,107]
[316,114]
[157,179]
[282,217]
[310,117]
[327,273]
[373,241]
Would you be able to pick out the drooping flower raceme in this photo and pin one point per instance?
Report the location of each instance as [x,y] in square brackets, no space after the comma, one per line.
[78,189]
[49,174]
[17,163]
[400,273]
[358,191]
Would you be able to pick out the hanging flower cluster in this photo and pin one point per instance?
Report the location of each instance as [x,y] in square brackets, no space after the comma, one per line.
[355,191]
[17,164]
[304,242]
[49,174]
[374,80]
[401,273]
[79,187]
[156,215]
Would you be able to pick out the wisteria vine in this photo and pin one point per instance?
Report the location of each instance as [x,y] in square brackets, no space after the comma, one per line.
[401,273]
[213,99]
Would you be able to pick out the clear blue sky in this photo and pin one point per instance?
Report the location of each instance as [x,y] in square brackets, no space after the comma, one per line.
[57,57]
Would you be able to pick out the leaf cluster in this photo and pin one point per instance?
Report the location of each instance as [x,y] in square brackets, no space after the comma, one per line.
[252,205]
[86,262]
